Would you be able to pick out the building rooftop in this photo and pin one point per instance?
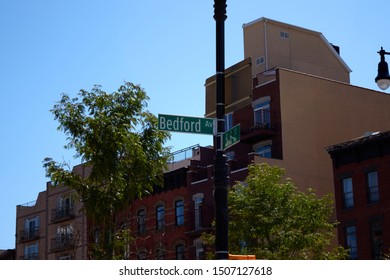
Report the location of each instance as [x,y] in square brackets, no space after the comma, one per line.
[371,145]
[334,49]
[368,138]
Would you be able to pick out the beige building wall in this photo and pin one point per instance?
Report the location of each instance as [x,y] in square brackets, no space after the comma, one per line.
[76,221]
[25,238]
[270,44]
[50,246]
[318,112]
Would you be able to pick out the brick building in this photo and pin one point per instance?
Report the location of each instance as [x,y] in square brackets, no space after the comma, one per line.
[52,227]
[361,170]
[169,223]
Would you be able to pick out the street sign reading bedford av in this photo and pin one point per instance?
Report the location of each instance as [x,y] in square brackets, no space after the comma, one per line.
[185,124]
[231,137]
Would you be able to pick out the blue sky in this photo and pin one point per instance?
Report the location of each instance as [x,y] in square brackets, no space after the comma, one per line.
[168,47]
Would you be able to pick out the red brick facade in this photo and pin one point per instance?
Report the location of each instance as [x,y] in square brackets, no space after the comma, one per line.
[362,194]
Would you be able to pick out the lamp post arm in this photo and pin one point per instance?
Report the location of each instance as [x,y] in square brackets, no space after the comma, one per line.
[382,53]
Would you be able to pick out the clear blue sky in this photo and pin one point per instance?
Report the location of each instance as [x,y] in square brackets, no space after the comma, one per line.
[168,47]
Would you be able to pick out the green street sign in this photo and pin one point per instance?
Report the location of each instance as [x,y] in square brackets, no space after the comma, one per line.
[231,137]
[185,124]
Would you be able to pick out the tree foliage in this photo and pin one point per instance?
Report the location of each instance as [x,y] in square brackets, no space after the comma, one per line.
[271,219]
[121,147]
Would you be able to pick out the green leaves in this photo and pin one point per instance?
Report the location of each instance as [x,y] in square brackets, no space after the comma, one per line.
[276,221]
[121,146]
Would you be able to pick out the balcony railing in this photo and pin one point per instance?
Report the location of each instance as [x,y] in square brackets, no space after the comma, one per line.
[66,257]
[29,234]
[185,153]
[264,77]
[62,243]
[262,119]
[62,213]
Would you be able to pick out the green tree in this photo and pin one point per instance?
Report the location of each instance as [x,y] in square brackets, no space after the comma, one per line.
[120,144]
[270,218]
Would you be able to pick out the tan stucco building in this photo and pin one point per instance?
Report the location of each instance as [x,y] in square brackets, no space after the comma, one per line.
[271,44]
[316,112]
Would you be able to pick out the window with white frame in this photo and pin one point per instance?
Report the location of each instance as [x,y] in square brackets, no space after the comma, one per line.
[199,249]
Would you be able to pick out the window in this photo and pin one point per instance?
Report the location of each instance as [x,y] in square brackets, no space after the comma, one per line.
[376,239]
[64,203]
[347,193]
[230,155]
[64,234]
[31,252]
[160,217]
[372,187]
[64,208]
[141,217]
[228,121]
[350,241]
[63,238]
[180,252]
[260,60]
[261,111]
[284,34]
[198,202]
[263,149]
[199,249]
[31,227]
[179,210]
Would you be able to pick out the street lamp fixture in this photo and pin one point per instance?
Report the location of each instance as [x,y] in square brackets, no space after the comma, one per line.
[383,78]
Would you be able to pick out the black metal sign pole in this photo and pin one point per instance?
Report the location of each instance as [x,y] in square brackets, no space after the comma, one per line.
[220,161]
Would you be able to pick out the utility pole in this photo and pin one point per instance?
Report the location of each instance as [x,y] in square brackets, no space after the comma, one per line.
[220,160]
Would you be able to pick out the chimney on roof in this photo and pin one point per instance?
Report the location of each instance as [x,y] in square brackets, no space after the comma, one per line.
[336,48]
